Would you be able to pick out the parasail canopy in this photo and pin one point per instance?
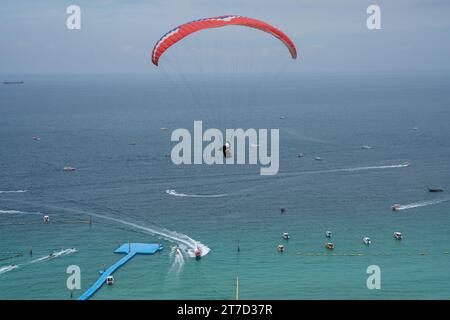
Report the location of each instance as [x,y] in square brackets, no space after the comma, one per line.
[182,31]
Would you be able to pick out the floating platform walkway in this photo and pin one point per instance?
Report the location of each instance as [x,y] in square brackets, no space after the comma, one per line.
[130,249]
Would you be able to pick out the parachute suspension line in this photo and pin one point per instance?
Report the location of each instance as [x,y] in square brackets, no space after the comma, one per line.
[185,81]
[202,81]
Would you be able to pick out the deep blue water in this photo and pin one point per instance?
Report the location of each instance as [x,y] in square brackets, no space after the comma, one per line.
[108,127]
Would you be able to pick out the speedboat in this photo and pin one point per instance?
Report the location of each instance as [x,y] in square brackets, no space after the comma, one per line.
[367,240]
[396,207]
[286,236]
[406,164]
[198,253]
[398,235]
[435,189]
[328,234]
[318,158]
[280,248]
[109,280]
[69,169]
[329,245]
[178,251]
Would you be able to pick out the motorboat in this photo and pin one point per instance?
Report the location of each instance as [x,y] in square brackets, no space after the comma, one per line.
[299,155]
[69,169]
[286,236]
[46,219]
[366,147]
[282,210]
[396,207]
[178,251]
[109,280]
[36,138]
[329,245]
[367,241]
[280,248]
[435,190]
[318,159]
[328,234]
[398,235]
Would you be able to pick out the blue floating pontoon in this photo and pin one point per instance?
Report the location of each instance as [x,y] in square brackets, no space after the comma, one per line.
[130,249]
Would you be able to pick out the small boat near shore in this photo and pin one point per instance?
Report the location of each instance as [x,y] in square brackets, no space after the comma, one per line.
[398,235]
[13,82]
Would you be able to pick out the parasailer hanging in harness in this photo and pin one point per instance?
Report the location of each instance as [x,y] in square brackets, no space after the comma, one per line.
[226,149]
[184,30]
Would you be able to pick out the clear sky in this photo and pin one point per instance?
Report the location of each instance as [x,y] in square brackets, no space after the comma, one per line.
[117,36]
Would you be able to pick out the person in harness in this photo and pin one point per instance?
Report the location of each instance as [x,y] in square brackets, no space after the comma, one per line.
[226,149]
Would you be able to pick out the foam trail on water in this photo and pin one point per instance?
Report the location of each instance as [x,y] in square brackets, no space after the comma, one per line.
[168,235]
[178,259]
[7,268]
[394,166]
[18,212]
[54,255]
[13,191]
[421,204]
[172,192]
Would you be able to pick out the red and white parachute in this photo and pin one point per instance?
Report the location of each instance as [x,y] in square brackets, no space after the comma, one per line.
[182,31]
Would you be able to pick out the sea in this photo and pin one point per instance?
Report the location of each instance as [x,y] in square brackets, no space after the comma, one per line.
[383,139]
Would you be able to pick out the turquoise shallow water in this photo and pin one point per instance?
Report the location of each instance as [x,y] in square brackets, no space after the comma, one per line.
[108,127]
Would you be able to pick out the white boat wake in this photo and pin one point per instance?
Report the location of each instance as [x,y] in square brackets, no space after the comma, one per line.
[172,192]
[420,204]
[178,259]
[54,255]
[51,256]
[166,234]
[13,191]
[19,212]
[172,236]
[394,166]
[7,268]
